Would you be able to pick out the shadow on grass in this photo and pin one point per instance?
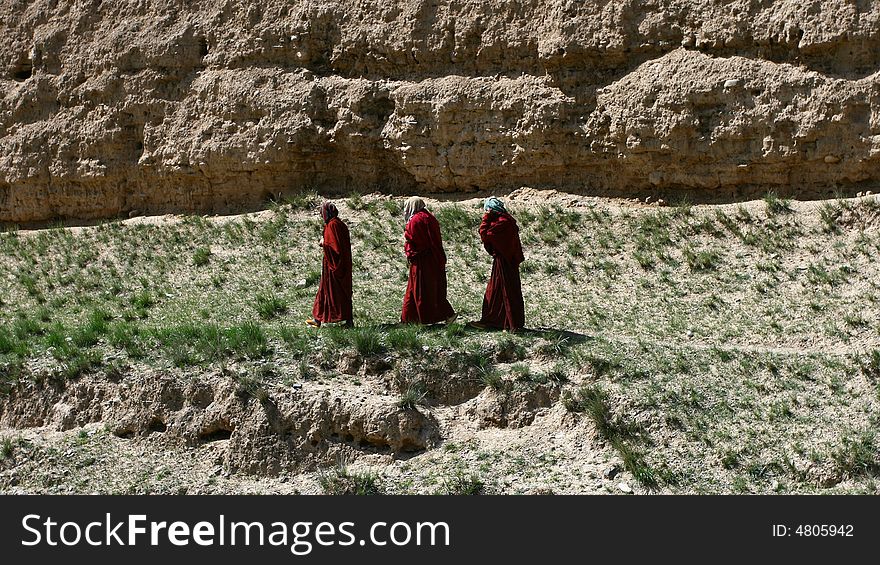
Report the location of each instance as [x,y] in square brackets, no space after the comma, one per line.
[554,333]
[573,338]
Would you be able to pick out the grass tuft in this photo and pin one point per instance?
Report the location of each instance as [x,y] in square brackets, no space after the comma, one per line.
[857,455]
[201,257]
[7,448]
[367,341]
[343,481]
[703,260]
[404,339]
[413,396]
[775,205]
[461,484]
[270,306]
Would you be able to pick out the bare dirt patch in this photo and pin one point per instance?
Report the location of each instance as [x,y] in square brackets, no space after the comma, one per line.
[677,348]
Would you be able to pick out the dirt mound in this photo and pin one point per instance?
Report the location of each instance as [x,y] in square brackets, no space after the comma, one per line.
[265,430]
[123,108]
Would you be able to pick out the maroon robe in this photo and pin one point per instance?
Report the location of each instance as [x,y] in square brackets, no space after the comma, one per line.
[503,305]
[333,301]
[425,299]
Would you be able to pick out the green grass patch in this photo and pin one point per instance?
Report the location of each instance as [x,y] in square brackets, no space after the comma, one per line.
[201,257]
[270,306]
[343,481]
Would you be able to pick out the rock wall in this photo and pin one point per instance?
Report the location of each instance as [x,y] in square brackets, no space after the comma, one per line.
[131,106]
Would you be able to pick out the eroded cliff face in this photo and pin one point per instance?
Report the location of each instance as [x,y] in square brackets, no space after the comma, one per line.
[114,106]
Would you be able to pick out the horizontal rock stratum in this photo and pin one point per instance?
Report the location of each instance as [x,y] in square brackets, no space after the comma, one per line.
[113,106]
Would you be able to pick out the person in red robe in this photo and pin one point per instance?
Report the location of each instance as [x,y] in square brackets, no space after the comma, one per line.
[333,301]
[425,299]
[503,305]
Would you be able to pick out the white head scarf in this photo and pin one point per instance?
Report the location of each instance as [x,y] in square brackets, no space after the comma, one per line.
[411,206]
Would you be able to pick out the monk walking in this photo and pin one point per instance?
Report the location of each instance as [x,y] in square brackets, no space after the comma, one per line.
[425,299]
[503,306]
[333,301]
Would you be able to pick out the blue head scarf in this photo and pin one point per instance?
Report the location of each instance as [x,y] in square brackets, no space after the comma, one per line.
[494,205]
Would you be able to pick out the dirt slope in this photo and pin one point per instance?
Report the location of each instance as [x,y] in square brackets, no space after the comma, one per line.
[678,349]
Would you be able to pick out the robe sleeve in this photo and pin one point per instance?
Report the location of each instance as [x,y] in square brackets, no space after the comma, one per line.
[500,237]
[485,225]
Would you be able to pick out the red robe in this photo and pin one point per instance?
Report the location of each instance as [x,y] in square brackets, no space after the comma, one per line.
[333,301]
[425,299]
[503,305]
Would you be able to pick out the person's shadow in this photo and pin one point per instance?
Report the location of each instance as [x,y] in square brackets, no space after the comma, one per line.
[573,338]
[552,334]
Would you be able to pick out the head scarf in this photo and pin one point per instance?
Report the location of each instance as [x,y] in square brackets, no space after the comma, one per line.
[494,205]
[411,206]
[328,211]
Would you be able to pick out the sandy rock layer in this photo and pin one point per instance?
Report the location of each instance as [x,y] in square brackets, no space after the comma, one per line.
[116,108]
[264,433]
